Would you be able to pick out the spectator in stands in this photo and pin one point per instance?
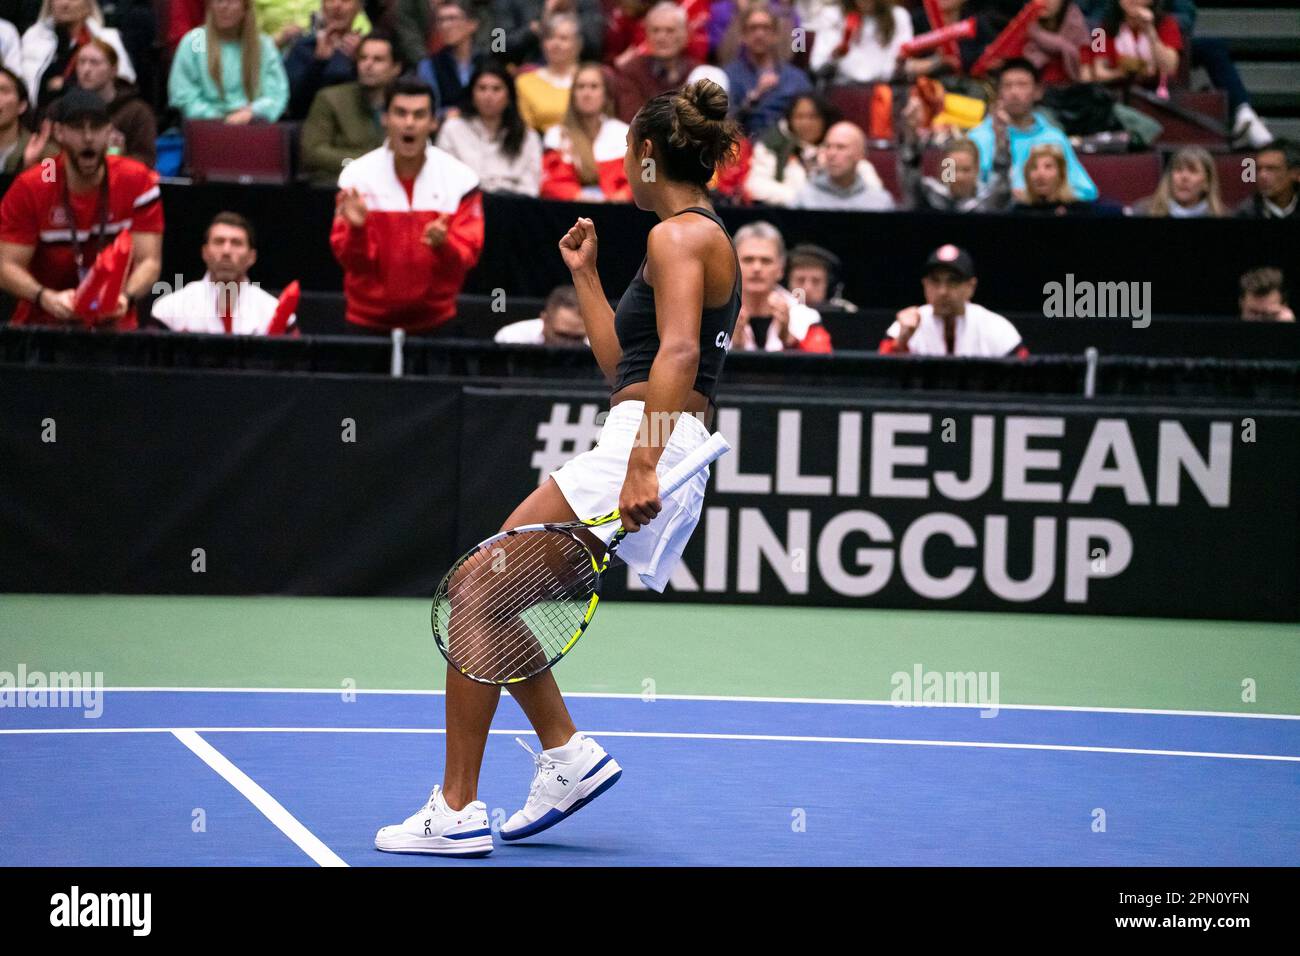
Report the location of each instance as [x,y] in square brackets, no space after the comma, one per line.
[559,324]
[726,34]
[628,33]
[814,275]
[42,255]
[523,22]
[224,300]
[862,44]
[760,85]
[1018,91]
[1263,296]
[1189,189]
[490,137]
[135,131]
[1046,182]
[448,71]
[346,121]
[325,57]
[407,188]
[836,182]
[414,24]
[665,64]
[1142,45]
[787,152]
[1277,182]
[809,271]
[950,323]
[543,93]
[1211,54]
[19,147]
[958,188]
[582,157]
[11,48]
[51,43]
[227,69]
[1054,42]
[769,312]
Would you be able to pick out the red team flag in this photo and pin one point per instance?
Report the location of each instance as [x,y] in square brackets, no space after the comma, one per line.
[98,293]
[285,307]
[1011,41]
[944,37]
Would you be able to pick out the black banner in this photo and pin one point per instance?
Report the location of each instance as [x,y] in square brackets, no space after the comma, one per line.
[205,483]
[993,507]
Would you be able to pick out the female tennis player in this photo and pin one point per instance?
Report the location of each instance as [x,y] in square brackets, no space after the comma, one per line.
[662,352]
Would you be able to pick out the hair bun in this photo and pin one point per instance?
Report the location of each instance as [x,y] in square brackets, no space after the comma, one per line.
[708,98]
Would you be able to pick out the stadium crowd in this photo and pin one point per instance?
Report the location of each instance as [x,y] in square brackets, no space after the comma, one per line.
[411,109]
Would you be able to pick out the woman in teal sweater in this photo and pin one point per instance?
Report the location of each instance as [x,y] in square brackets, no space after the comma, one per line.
[227,70]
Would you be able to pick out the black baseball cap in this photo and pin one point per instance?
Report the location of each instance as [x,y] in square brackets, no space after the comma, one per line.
[78,104]
[951,258]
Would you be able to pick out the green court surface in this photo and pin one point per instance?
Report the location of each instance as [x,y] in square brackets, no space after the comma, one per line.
[667,649]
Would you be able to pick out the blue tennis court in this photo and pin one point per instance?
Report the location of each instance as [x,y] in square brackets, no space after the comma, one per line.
[189,777]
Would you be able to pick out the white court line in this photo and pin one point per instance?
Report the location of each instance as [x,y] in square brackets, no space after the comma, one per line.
[288,824]
[674,735]
[1065,708]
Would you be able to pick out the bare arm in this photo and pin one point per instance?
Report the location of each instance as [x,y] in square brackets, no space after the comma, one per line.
[578,249]
[1166,57]
[146,249]
[19,282]
[14,277]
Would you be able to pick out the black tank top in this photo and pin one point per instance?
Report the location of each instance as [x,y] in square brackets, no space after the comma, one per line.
[638,334]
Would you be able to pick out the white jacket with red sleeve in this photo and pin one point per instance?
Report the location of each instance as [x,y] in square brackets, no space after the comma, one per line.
[391,278]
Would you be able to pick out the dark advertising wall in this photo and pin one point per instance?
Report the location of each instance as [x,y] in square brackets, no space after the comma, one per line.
[1077,508]
[128,481]
[288,484]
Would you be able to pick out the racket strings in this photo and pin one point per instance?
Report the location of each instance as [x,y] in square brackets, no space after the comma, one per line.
[510,608]
[529,635]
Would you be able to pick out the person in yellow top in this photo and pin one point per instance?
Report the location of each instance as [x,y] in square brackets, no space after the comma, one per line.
[287,20]
[543,93]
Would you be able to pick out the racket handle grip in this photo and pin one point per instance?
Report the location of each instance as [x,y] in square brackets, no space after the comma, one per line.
[714,448]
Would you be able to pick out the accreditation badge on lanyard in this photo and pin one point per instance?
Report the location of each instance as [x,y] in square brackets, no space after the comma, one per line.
[84,261]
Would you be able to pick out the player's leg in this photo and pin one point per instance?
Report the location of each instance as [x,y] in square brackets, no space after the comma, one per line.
[572,769]
[471,705]
[453,821]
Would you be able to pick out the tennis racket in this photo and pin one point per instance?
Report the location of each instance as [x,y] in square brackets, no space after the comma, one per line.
[517,602]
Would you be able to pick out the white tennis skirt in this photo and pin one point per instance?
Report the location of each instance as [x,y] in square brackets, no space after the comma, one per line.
[591,483]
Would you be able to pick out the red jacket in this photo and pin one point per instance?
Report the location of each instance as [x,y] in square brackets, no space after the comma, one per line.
[560,178]
[391,278]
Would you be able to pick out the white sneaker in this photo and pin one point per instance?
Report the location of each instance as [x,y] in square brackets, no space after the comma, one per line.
[567,779]
[437,828]
[1248,129]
